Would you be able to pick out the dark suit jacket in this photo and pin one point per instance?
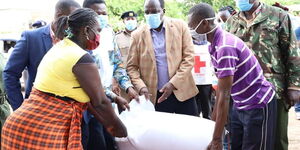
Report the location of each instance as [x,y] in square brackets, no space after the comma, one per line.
[28,53]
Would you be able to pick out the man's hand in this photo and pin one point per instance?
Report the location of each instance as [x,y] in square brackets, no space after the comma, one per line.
[294,95]
[144,91]
[115,87]
[132,94]
[215,145]
[167,91]
[122,103]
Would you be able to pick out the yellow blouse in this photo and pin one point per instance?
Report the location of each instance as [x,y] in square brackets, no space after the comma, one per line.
[55,74]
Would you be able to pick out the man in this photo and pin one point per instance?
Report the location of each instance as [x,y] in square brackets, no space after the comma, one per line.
[108,59]
[268,32]
[240,77]
[225,13]
[123,38]
[203,76]
[160,60]
[297,104]
[28,53]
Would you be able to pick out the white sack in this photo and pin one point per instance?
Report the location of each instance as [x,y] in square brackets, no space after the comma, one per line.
[150,130]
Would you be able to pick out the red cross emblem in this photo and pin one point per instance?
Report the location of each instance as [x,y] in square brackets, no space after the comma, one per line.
[198,64]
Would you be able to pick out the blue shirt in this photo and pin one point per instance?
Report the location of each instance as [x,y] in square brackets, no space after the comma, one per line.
[159,45]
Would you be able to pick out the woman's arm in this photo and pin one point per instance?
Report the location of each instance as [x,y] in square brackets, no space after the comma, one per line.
[88,77]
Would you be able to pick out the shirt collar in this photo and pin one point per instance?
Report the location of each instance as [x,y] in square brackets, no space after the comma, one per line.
[162,29]
[254,14]
[217,36]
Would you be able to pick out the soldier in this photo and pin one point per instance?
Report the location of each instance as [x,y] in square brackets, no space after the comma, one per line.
[268,32]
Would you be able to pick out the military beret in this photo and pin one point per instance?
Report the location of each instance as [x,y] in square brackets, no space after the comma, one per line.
[128,14]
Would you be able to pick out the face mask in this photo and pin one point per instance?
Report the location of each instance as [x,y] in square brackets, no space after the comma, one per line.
[153,20]
[130,25]
[93,44]
[244,5]
[103,21]
[221,23]
[201,39]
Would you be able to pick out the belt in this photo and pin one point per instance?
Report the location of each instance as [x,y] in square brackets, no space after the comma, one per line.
[60,97]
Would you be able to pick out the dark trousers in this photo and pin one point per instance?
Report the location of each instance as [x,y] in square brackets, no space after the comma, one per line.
[172,105]
[95,136]
[203,99]
[254,129]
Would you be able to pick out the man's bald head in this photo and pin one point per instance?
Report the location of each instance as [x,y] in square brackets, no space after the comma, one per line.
[201,11]
[161,2]
[65,7]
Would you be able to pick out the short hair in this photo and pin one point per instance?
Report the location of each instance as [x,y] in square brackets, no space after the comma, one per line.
[89,3]
[63,5]
[230,9]
[79,18]
[162,3]
[201,11]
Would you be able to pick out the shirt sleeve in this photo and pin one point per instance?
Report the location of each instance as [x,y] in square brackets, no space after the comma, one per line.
[289,48]
[12,73]
[110,93]
[119,73]
[226,62]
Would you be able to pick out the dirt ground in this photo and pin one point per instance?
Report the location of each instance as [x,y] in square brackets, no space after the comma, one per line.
[294,131]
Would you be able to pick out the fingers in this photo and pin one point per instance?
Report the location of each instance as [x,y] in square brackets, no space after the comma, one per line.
[162,89]
[163,97]
[127,106]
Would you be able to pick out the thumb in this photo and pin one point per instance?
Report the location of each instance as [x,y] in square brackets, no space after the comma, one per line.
[162,89]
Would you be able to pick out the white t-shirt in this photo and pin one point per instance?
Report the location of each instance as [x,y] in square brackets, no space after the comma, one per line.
[203,71]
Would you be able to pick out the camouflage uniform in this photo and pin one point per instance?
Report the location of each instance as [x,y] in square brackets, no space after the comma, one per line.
[123,42]
[5,109]
[271,38]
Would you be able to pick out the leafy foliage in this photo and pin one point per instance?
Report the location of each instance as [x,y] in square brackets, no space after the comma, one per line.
[174,8]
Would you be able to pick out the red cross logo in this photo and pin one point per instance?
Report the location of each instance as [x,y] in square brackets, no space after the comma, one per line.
[198,64]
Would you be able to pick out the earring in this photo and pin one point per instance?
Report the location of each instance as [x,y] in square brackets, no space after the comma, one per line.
[87,37]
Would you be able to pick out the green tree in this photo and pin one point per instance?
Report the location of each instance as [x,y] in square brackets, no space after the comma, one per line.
[174,8]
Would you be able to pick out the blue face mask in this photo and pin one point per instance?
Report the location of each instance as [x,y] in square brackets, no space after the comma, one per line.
[244,5]
[103,21]
[153,20]
[130,25]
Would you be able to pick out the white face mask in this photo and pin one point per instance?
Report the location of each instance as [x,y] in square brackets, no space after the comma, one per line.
[201,39]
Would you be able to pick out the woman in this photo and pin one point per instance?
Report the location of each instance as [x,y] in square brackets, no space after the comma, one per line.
[67,81]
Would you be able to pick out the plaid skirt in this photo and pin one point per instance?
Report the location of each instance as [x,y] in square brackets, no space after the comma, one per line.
[44,123]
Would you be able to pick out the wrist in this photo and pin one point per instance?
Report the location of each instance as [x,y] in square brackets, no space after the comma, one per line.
[217,139]
[127,90]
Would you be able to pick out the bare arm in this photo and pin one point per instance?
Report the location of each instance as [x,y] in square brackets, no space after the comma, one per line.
[89,79]
[221,111]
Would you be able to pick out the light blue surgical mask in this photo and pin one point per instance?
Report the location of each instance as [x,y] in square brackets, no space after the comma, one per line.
[130,25]
[244,5]
[153,20]
[103,21]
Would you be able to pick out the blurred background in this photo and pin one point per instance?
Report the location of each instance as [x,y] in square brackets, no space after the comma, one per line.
[18,15]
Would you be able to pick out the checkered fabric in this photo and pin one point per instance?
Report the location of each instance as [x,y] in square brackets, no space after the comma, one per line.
[44,123]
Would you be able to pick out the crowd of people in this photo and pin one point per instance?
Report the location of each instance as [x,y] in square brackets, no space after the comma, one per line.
[79,69]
